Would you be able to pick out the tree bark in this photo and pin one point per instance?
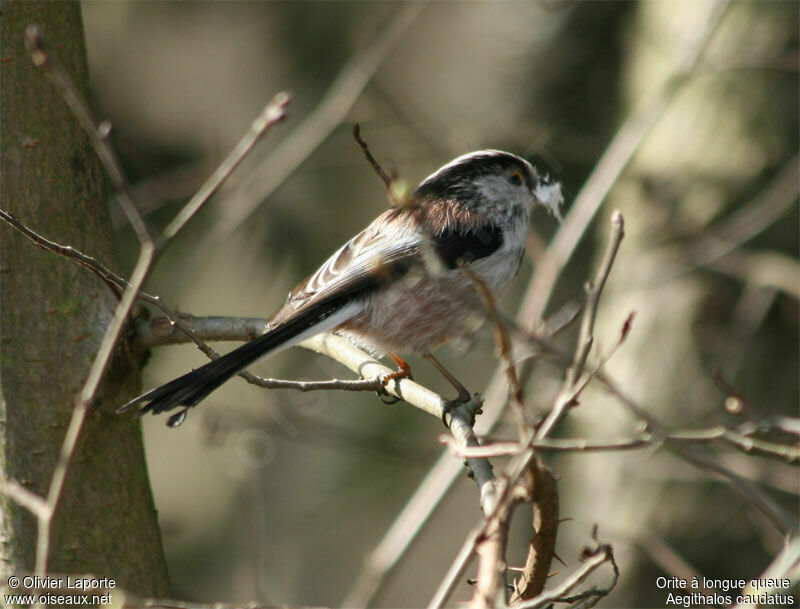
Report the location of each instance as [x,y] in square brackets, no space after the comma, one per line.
[52,320]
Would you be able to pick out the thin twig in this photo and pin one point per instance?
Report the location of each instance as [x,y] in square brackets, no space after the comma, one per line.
[616,157]
[86,396]
[385,177]
[328,114]
[568,394]
[750,446]
[109,277]
[748,491]
[504,347]
[274,112]
[98,132]
[34,40]
[600,555]
[784,522]
[116,283]
[593,291]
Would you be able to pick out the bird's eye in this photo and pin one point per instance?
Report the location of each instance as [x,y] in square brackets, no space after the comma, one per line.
[515,178]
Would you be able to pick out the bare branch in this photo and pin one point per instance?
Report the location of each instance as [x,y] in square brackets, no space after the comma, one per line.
[274,112]
[569,391]
[593,291]
[781,452]
[328,114]
[593,559]
[504,347]
[111,279]
[385,177]
[751,494]
[98,132]
[619,152]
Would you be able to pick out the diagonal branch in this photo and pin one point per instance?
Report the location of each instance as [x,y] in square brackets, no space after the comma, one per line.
[568,394]
[274,112]
[98,133]
[328,114]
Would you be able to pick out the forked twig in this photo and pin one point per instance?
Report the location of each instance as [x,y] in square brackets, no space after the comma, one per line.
[593,559]
[567,396]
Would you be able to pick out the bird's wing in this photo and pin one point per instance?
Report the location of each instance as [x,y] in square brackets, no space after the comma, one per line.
[382,251]
[385,251]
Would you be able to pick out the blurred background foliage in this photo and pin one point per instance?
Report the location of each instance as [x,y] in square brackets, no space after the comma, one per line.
[278,496]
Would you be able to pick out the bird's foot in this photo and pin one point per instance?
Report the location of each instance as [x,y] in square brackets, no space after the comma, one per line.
[403,372]
[472,404]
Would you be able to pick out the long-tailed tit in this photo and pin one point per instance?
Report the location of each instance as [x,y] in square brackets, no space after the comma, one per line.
[399,286]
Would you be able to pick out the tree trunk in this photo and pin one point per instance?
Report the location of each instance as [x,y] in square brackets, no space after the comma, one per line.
[52,320]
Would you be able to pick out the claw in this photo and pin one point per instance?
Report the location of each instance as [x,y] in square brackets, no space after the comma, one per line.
[450,405]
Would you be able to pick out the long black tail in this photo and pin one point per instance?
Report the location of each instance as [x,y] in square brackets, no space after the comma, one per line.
[189,389]
[194,386]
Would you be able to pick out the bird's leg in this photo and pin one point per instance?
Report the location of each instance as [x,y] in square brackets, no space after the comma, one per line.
[403,372]
[464,395]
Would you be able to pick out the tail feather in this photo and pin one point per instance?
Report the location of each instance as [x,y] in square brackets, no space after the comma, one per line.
[192,387]
[189,389]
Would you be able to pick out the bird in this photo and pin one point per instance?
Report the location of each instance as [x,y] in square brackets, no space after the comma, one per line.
[406,283]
